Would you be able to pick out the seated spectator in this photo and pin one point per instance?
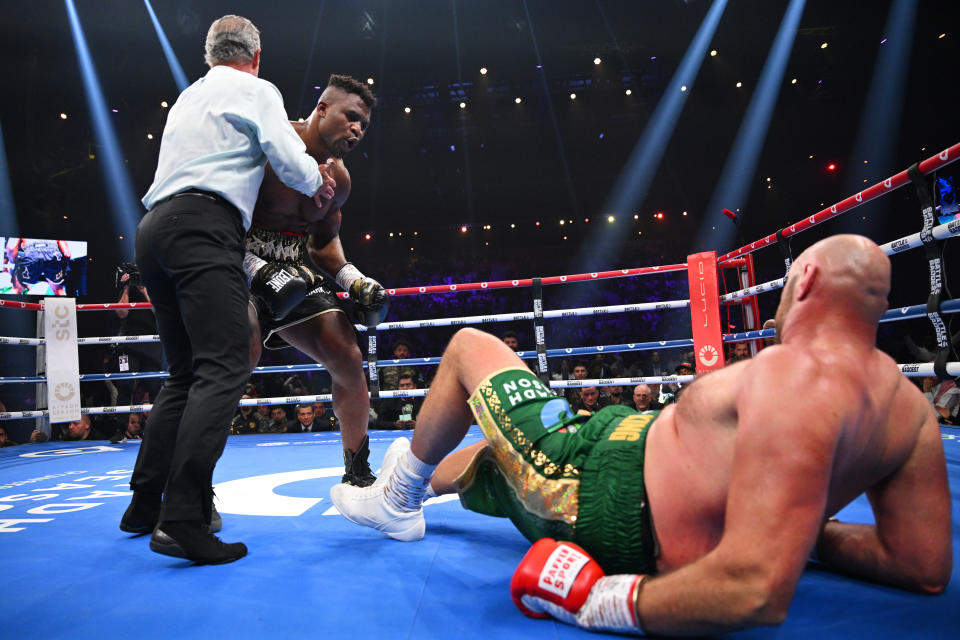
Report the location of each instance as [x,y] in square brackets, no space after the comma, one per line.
[769,324]
[738,352]
[615,395]
[511,340]
[644,398]
[399,413]
[944,396]
[4,441]
[304,422]
[682,369]
[390,375]
[590,401]
[573,393]
[81,430]
[653,366]
[247,421]
[564,372]
[324,418]
[134,428]
[278,420]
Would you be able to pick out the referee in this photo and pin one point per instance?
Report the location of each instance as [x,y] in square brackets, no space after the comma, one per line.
[219,135]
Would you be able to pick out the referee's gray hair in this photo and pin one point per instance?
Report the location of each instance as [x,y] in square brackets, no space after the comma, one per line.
[231,39]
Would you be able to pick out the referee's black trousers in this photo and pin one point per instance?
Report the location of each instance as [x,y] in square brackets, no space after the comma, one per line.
[190,253]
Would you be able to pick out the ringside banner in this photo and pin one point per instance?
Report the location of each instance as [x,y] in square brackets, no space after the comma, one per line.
[705,311]
[63,366]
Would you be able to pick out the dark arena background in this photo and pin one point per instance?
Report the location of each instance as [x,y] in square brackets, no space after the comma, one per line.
[513,140]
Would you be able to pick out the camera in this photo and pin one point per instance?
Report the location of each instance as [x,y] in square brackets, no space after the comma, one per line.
[131,269]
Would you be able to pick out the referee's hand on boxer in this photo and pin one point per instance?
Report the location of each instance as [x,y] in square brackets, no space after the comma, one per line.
[327,190]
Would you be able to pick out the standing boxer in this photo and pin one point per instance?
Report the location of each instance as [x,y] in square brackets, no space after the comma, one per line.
[219,136]
[290,237]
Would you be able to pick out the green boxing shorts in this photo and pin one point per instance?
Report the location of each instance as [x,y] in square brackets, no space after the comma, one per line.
[560,475]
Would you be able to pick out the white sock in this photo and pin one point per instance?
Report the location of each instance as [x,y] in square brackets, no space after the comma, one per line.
[429,493]
[408,482]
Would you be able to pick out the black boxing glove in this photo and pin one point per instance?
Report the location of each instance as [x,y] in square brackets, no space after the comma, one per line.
[279,289]
[371,300]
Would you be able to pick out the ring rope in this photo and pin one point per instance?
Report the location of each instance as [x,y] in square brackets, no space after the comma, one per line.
[892,315]
[915,370]
[931,164]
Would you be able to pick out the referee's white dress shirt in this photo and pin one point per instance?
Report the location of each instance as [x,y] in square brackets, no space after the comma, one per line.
[219,135]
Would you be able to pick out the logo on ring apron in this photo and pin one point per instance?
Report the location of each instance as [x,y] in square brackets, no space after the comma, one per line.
[707,355]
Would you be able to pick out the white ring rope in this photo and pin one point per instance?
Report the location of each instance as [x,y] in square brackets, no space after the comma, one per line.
[918,370]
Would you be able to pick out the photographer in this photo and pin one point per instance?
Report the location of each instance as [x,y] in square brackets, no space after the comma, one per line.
[137,356]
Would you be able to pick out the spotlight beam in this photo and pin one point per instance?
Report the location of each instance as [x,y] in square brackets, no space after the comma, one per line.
[634,181]
[882,110]
[124,206]
[738,172]
[179,77]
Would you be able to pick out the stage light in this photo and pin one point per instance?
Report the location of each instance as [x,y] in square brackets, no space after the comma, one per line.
[598,61]
[768,179]
[794,81]
[636,216]
[483,71]
[369,80]
[586,219]
[411,248]
[824,45]
[564,237]
[463,229]
[610,218]
[573,96]
[538,223]
[739,84]
[517,100]
[366,236]
[64,217]
[683,88]
[63,116]
[866,162]
[659,215]
[416,233]
[684,213]
[831,167]
[463,105]
[121,237]
[942,35]
[406,109]
[391,234]
[629,92]
[164,104]
[513,226]
[713,53]
[179,77]
[149,136]
[811,156]
[563,222]
[115,110]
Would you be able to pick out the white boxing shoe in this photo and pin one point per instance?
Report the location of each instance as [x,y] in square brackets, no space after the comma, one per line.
[396,449]
[368,506]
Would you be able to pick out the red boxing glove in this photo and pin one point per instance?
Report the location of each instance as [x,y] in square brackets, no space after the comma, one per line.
[560,580]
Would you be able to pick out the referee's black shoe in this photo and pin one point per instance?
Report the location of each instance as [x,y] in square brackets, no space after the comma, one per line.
[192,540]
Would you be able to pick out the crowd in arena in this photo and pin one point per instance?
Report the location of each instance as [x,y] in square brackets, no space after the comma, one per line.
[401,413]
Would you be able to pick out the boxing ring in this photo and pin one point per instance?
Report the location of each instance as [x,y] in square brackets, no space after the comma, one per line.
[69,571]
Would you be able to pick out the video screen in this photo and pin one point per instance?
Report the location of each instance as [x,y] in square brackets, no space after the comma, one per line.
[39,267]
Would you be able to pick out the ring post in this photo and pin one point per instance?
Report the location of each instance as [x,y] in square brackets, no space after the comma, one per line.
[705,311]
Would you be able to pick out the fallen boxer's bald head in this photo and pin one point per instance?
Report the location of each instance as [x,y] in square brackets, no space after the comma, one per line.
[846,276]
